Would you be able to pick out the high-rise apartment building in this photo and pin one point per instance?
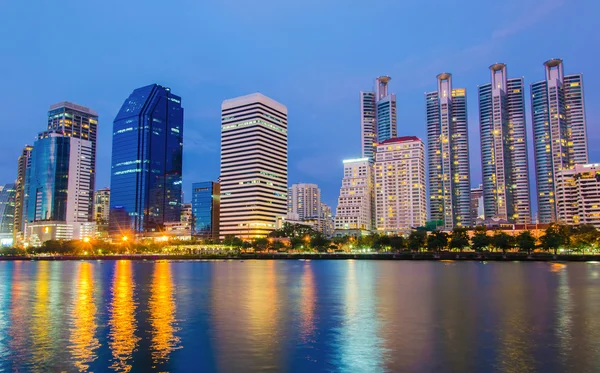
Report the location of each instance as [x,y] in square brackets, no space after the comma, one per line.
[505,170]
[354,213]
[448,154]
[22,164]
[254,165]
[400,185]
[7,214]
[326,221]
[304,201]
[378,116]
[58,186]
[578,195]
[206,205]
[147,154]
[102,208]
[559,131]
[80,122]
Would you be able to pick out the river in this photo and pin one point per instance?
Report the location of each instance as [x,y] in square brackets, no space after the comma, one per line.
[299,316]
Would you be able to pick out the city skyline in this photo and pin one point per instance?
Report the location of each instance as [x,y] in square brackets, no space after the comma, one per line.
[336,113]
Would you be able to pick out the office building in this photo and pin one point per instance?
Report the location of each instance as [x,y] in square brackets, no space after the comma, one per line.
[400,185]
[206,206]
[505,169]
[147,154]
[102,209]
[181,229]
[304,201]
[448,155]
[22,165]
[80,122]
[354,213]
[578,195]
[559,132]
[254,166]
[58,186]
[7,214]
[477,207]
[378,116]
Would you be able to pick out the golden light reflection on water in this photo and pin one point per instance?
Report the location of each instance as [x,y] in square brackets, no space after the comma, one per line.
[162,313]
[308,304]
[41,340]
[83,339]
[19,315]
[122,338]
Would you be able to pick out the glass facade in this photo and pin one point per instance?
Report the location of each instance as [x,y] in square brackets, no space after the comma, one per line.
[47,180]
[7,208]
[146,161]
[205,209]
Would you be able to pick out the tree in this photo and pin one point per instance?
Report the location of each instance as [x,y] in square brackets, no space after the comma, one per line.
[480,240]
[398,243]
[232,241]
[260,244]
[554,237]
[382,243]
[437,241]
[502,241]
[526,241]
[585,236]
[417,240]
[459,239]
[319,242]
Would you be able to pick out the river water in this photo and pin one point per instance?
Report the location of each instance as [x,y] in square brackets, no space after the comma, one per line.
[299,316]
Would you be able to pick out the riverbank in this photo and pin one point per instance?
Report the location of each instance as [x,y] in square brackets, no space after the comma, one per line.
[443,256]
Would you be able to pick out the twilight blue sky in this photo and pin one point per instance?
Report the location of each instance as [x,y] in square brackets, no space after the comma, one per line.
[312,55]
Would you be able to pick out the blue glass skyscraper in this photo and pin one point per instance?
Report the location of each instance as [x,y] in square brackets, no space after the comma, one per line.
[146,162]
[205,209]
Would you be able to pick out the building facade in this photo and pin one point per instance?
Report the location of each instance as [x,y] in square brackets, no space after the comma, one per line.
[578,195]
[327,221]
[477,207]
[254,166]
[354,213]
[206,207]
[400,185]
[58,184]
[505,169]
[147,155]
[22,165]
[559,131]
[7,213]
[304,201]
[102,209]
[448,155]
[80,122]
[378,116]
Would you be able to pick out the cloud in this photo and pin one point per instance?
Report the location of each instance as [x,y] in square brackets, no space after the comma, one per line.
[197,142]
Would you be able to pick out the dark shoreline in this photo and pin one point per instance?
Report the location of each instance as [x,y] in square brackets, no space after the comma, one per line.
[333,256]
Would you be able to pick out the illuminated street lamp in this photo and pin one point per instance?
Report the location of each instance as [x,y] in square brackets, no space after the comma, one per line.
[86,239]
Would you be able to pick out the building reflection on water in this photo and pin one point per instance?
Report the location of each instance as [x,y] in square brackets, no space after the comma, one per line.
[83,339]
[308,301]
[41,317]
[122,320]
[161,307]
[360,346]
[21,288]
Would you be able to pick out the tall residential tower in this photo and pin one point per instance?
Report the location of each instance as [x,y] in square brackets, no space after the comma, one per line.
[559,131]
[448,154]
[378,116]
[254,165]
[504,148]
[400,187]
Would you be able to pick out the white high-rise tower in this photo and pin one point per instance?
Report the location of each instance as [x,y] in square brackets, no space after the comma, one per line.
[254,165]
